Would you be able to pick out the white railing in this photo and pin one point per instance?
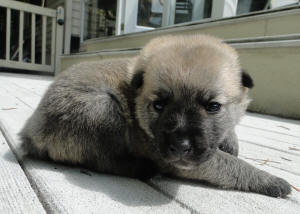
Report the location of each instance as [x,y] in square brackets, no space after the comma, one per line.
[57,19]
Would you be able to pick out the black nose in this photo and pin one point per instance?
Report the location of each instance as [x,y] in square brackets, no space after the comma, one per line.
[182,148]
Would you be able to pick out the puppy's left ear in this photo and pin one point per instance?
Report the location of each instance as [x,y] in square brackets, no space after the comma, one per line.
[137,80]
[246,79]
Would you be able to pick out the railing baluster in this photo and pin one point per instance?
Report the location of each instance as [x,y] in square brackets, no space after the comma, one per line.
[8,29]
[44,40]
[53,41]
[59,39]
[33,38]
[21,33]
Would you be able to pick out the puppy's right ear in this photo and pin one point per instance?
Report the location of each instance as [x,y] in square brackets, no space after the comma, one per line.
[137,80]
[247,80]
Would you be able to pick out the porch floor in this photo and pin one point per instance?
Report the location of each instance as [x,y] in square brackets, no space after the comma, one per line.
[32,186]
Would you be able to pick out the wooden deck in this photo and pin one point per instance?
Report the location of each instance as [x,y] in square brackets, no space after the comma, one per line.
[32,186]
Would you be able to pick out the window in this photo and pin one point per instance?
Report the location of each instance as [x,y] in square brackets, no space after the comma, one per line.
[140,15]
[115,17]
[99,18]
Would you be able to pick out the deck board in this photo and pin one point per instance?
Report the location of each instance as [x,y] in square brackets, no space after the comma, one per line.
[271,139]
[16,194]
[64,189]
[274,157]
[33,84]
[273,124]
[20,94]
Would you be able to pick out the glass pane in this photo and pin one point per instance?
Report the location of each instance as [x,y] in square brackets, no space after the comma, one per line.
[150,13]
[100,18]
[192,10]
[246,6]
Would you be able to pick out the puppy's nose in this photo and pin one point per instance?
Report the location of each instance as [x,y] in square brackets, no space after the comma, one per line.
[182,148]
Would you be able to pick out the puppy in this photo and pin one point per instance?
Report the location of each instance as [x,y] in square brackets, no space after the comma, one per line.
[170,110]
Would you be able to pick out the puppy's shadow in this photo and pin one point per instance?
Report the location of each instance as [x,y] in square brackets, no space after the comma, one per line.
[130,192]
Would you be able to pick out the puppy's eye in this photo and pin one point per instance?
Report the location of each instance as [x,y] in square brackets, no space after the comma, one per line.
[158,105]
[213,107]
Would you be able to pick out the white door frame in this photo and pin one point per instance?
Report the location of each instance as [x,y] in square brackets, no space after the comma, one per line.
[130,17]
[223,8]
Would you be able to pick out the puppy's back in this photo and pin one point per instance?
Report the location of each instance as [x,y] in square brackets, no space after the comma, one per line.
[83,100]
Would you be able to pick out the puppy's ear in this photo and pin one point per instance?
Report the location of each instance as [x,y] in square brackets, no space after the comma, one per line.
[137,80]
[246,79]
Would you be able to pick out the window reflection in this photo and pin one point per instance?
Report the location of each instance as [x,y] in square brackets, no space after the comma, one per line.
[100,18]
[139,15]
[150,13]
[246,6]
[192,10]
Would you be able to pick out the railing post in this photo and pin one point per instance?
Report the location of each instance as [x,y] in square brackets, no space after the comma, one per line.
[82,19]
[59,38]
[8,29]
[33,27]
[68,26]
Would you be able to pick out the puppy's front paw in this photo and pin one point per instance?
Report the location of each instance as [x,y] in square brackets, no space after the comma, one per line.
[275,187]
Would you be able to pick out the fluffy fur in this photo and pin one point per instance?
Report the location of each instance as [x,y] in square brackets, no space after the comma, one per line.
[172,110]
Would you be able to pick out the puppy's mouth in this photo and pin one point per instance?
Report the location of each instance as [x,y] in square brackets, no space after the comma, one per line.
[188,162]
[182,164]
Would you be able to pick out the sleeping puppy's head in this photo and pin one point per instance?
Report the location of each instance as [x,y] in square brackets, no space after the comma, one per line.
[190,92]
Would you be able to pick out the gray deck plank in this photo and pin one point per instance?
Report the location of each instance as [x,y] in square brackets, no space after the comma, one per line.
[20,94]
[65,189]
[258,155]
[272,124]
[16,194]
[276,138]
[32,83]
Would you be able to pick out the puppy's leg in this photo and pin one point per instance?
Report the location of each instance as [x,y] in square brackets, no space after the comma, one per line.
[230,144]
[229,172]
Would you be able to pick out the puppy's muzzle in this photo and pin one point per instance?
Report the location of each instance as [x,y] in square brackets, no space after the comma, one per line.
[180,148]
